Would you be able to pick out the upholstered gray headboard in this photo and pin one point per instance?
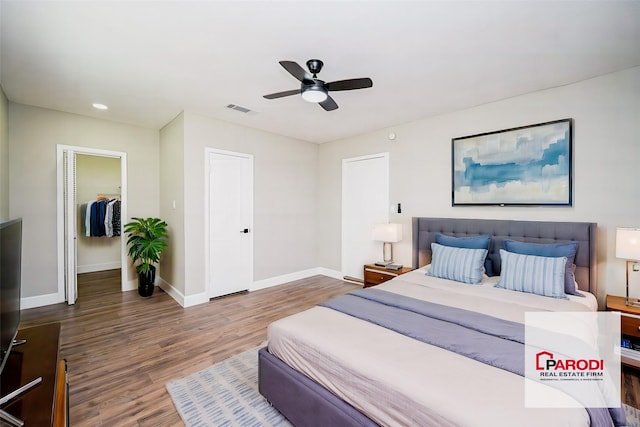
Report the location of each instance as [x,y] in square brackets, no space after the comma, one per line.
[425,229]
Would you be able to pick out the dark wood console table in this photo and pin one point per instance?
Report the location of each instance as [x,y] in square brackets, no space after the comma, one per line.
[46,404]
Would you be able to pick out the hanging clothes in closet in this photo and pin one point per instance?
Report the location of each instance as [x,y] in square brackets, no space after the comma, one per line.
[102,217]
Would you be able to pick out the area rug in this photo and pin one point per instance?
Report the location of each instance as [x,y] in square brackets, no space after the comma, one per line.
[226,394]
[633,416]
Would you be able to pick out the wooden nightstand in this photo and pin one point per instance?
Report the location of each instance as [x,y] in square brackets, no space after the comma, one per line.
[374,275]
[630,326]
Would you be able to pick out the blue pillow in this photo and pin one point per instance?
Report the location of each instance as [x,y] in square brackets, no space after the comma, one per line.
[459,264]
[470,242]
[541,275]
[566,249]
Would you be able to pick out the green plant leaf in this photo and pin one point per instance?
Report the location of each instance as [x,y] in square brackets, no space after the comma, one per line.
[147,240]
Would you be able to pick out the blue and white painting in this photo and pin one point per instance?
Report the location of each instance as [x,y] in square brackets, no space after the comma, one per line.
[522,166]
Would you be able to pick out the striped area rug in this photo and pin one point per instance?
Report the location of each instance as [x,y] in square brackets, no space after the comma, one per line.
[226,394]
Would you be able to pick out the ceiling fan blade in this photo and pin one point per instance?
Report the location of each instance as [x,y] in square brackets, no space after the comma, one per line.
[329,104]
[349,84]
[296,71]
[282,94]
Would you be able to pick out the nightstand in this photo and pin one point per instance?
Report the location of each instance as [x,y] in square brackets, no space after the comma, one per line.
[374,275]
[630,328]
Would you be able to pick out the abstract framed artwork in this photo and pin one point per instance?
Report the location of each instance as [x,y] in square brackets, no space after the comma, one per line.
[528,165]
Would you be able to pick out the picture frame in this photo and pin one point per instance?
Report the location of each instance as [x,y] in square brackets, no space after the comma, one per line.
[527,165]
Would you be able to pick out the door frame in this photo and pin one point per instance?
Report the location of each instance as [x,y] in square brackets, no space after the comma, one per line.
[385,156]
[60,150]
[208,151]
[70,223]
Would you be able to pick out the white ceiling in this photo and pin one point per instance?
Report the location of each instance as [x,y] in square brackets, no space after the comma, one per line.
[150,60]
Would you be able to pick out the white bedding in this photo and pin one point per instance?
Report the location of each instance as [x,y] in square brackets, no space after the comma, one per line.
[396,380]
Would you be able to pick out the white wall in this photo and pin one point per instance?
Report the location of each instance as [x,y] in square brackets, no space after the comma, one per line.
[172,191]
[606,113]
[285,190]
[4,156]
[96,175]
[298,184]
[284,201]
[33,136]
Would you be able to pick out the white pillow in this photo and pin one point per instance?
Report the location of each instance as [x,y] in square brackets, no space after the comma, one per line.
[539,275]
[459,264]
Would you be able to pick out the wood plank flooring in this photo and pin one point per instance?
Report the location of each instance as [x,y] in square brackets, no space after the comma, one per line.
[122,349]
[630,384]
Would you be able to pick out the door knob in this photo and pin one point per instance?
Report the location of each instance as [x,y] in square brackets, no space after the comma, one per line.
[244,230]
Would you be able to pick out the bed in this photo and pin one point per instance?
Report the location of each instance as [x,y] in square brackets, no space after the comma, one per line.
[326,367]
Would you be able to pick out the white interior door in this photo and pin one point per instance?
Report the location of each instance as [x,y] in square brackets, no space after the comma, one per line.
[365,202]
[230,206]
[70,235]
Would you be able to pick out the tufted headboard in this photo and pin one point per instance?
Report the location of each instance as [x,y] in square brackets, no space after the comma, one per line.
[425,229]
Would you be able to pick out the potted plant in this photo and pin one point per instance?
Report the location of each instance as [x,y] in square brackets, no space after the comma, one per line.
[147,240]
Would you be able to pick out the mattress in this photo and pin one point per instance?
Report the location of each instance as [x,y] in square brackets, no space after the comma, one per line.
[397,380]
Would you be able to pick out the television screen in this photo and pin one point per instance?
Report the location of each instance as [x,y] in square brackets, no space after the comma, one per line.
[10,270]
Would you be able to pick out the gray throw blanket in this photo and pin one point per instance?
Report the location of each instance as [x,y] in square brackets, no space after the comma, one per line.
[487,339]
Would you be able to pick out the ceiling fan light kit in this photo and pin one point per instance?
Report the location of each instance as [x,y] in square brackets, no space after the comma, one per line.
[315,90]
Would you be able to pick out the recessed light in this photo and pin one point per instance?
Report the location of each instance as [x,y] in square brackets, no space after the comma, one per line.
[99,106]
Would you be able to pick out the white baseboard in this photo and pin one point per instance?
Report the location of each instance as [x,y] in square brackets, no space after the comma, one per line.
[197,299]
[99,267]
[184,301]
[334,274]
[290,277]
[41,300]
[190,300]
[130,285]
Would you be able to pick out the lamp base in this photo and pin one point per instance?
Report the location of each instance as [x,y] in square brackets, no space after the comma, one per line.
[383,263]
[387,252]
[631,302]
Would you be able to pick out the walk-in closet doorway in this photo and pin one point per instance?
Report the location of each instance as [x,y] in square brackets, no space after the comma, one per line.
[85,174]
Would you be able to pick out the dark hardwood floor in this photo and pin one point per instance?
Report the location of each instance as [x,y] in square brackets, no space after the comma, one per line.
[121,349]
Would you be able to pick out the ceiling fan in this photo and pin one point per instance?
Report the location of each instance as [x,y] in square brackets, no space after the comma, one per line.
[313,89]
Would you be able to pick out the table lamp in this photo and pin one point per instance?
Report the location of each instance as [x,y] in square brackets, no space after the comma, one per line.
[628,248]
[388,234]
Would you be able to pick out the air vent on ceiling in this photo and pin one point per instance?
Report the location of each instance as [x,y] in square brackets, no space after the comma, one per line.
[239,108]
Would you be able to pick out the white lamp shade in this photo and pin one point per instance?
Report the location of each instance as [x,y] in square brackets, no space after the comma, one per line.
[628,243]
[390,233]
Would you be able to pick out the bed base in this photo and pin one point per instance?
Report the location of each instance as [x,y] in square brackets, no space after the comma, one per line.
[301,400]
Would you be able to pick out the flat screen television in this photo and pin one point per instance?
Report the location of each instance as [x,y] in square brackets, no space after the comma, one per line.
[10,271]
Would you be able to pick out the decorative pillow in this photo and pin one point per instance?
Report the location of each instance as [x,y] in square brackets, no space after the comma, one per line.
[459,264]
[567,249]
[540,275]
[470,242]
